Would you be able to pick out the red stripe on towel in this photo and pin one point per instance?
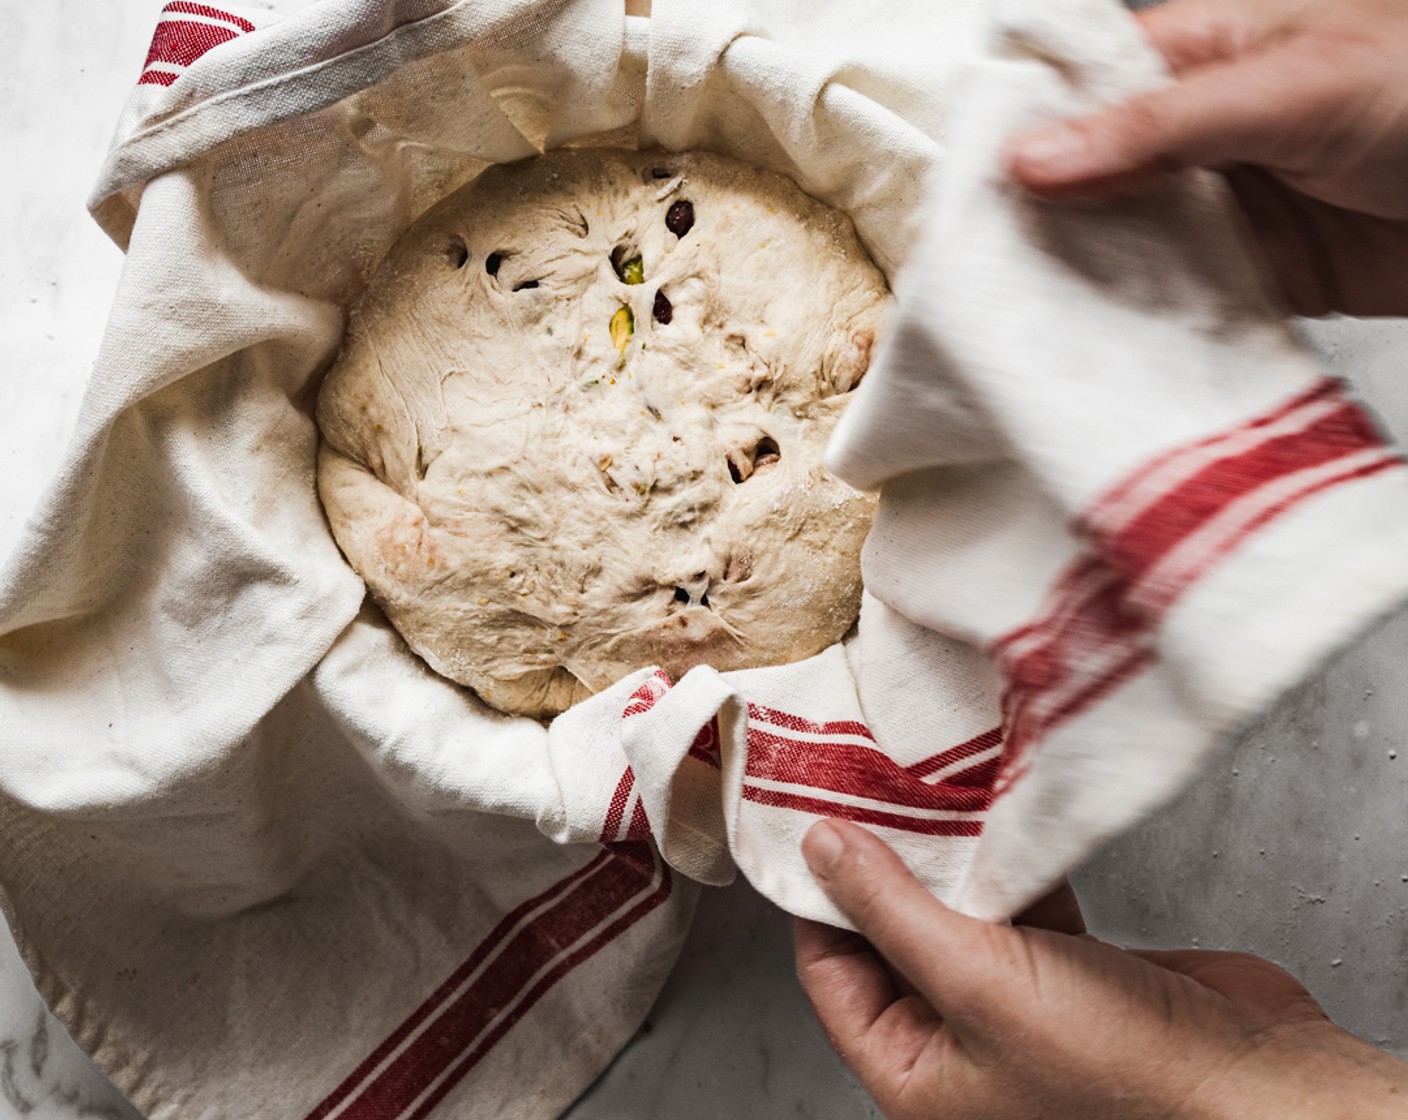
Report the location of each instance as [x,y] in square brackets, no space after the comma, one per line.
[518,963]
[1103,615]
[616,810]
[830,767]
[456,978]
[1146,539]
[182,7]
[1115,497]
[976,745]
[758,713]
[924,826]
[645,697]
[180,43]
[646,859]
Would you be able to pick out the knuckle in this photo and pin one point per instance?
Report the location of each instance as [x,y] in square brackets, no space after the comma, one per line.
[865,898]
[1136,128]
[1003,957]
[997,942]
[1251,963]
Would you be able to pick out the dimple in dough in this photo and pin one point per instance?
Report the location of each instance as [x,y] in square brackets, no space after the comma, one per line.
[577,423]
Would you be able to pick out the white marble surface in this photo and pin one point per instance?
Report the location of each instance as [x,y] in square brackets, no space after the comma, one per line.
[64,70]
[1292,845]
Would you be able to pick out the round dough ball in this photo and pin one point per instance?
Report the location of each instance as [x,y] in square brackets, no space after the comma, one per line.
[576,427]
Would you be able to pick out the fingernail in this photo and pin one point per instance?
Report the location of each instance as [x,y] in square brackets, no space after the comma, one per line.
[1059,151]
[823,847]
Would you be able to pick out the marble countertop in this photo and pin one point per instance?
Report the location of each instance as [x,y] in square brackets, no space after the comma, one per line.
[1291,845]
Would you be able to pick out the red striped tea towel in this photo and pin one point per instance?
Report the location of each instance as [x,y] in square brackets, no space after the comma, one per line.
[1107,462]
[264,863]
[261,862]
[729,770]
[184,32]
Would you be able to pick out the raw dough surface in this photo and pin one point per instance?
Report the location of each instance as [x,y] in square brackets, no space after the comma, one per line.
[577,424]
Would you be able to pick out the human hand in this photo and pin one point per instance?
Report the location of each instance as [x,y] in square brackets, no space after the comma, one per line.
[946,1017]
[1304,105]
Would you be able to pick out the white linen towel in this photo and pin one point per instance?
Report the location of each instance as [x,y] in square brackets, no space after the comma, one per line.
[263,862]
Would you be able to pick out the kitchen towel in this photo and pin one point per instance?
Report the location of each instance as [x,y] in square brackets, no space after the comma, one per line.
[263,862]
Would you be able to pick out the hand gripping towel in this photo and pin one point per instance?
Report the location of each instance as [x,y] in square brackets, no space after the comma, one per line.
[1107,464]
[263,862]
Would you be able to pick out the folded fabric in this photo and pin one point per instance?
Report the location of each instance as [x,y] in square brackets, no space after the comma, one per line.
[1107,463]
[263,862]
[259,858]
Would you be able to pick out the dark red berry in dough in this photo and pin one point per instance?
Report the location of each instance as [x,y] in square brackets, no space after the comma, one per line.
[679,218]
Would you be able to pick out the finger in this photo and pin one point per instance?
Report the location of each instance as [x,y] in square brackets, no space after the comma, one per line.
[876,1028]
[1174,960]
[958,964]
[1241,977]
[1259,111]
[1058,911]
[848,985]
[1191,33]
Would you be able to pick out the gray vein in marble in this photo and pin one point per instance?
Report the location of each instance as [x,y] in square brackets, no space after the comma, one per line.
[9,1082]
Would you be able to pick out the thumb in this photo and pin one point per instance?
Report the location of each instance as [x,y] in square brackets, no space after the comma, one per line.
[960,965]
[1254,110]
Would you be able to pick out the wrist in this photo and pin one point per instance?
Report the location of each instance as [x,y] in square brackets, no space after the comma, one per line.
[1315,1071]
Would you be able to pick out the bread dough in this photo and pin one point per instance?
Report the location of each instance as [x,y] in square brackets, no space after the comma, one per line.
[577,424]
